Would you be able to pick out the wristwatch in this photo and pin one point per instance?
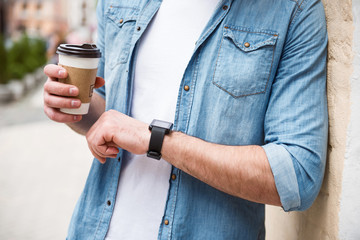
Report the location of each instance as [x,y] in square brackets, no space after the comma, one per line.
[158,130]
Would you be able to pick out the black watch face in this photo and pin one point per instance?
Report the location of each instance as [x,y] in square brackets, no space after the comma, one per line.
[162,124]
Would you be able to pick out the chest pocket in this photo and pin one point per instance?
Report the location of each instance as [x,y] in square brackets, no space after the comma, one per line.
[244,61]
[120,28]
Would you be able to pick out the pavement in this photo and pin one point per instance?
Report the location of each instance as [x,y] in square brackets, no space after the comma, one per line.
[43,168]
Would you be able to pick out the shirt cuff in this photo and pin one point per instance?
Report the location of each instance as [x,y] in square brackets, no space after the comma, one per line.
[282,167]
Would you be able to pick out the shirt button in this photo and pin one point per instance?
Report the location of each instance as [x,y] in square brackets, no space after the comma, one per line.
[166,222]
[225,7]
[121,21]
[247,44]
[108,202]
[173,176]
[119,159]
[138,28]
[186,88]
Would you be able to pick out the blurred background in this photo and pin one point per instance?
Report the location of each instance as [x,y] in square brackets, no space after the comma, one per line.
[43,165]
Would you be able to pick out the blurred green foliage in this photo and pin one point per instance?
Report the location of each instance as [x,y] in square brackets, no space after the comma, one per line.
[3,61]
[24,56]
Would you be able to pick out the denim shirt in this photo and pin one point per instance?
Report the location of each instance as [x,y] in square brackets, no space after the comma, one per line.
[257,76]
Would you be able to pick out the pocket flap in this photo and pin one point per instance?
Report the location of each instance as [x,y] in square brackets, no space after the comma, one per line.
[121,15]
[248,39]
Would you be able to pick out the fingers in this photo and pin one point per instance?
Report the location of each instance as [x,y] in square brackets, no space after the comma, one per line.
[55,71]
[60,89]
[60,102]
[101,159]
[103,152]
[58,95]
[52,87]
[99,82]
[53,102]
[57,116]
[100,147]
[108,151]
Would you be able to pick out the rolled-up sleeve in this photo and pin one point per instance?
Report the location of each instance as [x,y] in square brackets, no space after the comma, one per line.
[284,174]
[296,121]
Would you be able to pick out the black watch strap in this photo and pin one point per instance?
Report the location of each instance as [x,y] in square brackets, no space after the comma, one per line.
[156,142]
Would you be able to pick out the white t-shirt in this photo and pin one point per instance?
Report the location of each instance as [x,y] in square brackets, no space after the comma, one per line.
[164,52]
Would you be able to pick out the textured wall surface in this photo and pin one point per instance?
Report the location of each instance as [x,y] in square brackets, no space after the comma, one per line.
[321,221]
[350,196]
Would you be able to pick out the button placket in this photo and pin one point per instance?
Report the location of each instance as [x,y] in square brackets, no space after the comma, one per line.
[168,219]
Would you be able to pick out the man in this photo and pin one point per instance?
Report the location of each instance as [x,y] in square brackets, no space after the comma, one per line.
[243,82]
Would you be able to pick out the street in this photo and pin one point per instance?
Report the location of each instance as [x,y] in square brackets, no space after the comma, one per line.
[43,168]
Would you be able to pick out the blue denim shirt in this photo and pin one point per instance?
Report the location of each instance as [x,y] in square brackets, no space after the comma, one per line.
[257,76]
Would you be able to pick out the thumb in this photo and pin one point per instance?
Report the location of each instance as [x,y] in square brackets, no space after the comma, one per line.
[99,82]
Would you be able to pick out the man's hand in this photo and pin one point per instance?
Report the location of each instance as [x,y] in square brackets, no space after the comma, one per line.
[115,130]
[59,95]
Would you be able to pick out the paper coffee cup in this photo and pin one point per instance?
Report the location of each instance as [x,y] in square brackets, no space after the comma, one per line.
[81,63]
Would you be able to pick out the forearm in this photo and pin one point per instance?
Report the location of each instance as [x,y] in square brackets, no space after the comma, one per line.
[242,171]
[97,107]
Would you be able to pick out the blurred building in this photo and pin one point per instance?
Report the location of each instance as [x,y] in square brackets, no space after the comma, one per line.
[48,17]
[35,17]
[81,19]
